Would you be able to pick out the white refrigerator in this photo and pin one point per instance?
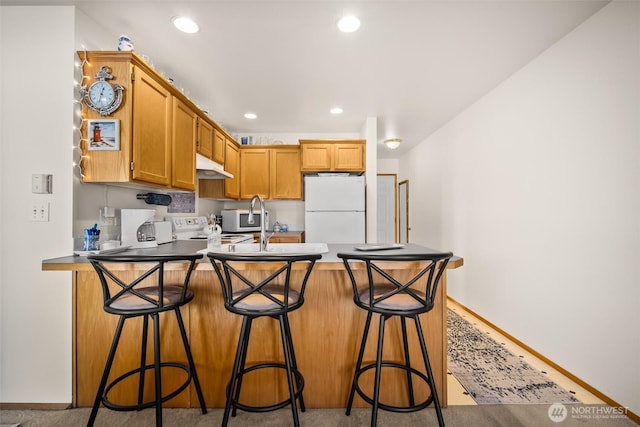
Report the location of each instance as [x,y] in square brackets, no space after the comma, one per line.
[334,209]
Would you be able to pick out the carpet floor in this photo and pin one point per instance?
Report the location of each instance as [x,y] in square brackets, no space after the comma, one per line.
[454,416]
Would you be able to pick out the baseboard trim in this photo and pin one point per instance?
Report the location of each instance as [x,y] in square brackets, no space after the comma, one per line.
[38,406]
[589,388]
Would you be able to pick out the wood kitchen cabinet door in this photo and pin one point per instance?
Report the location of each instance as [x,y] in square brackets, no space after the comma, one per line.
[348,157]
[219,144]
[204,144]
[316,156]
[254,172]
[232,165]
[285,174]
[151,130]
[185,127]
[285,238]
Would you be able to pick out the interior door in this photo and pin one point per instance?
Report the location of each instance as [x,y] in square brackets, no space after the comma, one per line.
[387,223]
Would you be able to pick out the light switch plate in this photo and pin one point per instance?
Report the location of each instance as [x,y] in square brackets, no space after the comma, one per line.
[41,183]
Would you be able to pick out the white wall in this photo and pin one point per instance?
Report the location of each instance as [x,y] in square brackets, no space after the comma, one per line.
[537,186]
[36,114]
[370,133]
[388,166]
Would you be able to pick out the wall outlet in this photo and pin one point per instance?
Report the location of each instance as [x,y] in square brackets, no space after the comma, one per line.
[107,216]
[39,212]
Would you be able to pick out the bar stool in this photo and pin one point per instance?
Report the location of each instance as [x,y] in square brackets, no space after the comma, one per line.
[146,296]
[381,293]
[274,296]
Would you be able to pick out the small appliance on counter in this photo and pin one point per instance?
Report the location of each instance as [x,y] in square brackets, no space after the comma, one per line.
[163,232]
[140,231]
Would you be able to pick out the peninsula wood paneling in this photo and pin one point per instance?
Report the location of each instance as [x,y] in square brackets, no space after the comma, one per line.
[326,333]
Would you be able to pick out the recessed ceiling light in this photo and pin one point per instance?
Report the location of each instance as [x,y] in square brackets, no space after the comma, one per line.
[184,24]
[250,116]
[336,110]
[348,24]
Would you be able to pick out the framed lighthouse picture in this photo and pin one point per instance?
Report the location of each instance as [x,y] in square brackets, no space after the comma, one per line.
[103,134]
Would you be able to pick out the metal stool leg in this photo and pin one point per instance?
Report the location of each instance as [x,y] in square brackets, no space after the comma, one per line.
[359,362]
[105,374]
[192,365]
[407,361]
[287,362]
[376,384]
[157,363]
[292,352]
[236,366]
[243,361]
[432,385]
[143,358]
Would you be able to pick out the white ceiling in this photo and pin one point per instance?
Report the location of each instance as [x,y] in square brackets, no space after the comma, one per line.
[413,64]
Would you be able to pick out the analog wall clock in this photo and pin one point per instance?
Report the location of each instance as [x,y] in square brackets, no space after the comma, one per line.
[101,96]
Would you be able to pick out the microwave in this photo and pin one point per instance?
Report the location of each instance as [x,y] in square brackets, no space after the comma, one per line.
[237,220]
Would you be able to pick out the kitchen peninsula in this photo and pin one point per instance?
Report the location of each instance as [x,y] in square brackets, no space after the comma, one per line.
[326,333]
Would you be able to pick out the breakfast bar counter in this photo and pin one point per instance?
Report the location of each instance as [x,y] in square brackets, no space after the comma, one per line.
[326,331]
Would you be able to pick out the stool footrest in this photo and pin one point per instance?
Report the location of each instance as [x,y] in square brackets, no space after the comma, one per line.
[392,408]
[136,407]
[298,379]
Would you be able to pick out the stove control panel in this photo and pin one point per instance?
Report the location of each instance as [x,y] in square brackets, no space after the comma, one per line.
[188,223]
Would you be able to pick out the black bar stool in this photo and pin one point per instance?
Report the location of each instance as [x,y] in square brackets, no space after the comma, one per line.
[274,296]
[379,292]
[146,296]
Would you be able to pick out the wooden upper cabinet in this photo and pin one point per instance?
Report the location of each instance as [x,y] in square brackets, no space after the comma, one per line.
[185,128]
[333,155]
[254,172]
[204,145]
[316,156]
[285,175]
[272,172]
[160,129]
[349,157]
[232,165]
[151,124]
[219,144]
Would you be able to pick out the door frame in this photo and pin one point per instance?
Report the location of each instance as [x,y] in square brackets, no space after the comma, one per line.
[404,203]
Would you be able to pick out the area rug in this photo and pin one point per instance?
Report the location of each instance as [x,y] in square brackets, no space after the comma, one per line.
[492,374]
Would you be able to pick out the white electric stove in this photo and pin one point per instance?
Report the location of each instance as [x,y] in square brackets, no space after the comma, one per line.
[190,227]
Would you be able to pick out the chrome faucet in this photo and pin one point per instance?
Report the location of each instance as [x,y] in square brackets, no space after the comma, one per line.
[263,233]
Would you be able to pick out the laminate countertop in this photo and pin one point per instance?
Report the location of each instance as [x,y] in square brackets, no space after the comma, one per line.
[328,261]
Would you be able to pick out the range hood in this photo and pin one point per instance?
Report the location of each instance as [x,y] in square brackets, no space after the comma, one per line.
[208,169]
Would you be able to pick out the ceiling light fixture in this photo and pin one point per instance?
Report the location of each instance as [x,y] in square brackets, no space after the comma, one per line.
[348,24]
[184,24]
[336,110]
[250,116]
[392,143]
